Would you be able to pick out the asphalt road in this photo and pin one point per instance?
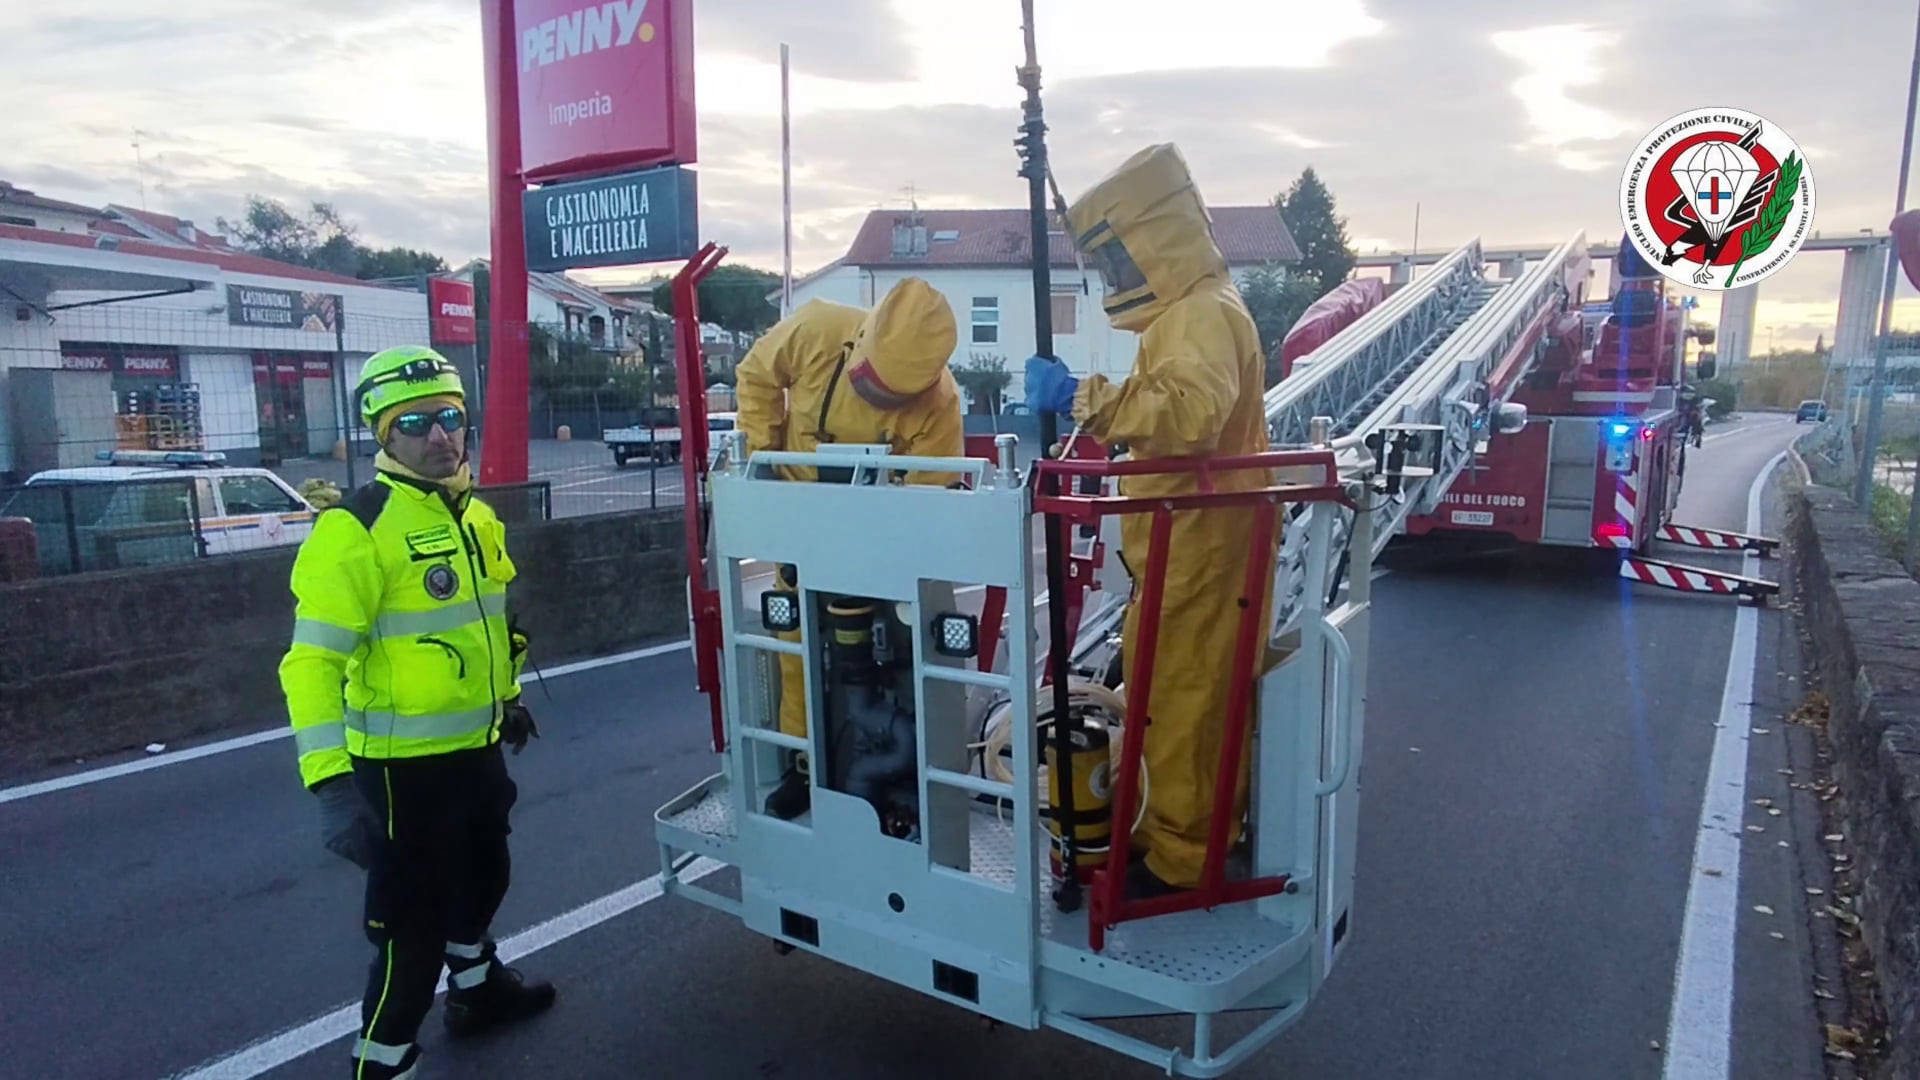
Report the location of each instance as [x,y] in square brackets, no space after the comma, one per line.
[1537,745]
[583,476]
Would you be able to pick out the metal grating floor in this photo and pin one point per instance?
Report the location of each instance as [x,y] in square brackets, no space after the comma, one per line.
[711,816]
[1192,946]
[991,847]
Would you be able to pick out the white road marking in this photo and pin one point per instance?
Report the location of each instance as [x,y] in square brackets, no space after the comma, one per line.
[177,757]
[297,1042]
[1700,1025]
[662,485]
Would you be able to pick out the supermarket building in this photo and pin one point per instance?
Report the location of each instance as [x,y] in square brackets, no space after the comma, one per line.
[117,331]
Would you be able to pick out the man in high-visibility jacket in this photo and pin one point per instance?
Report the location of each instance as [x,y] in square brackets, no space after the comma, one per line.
[402,683]
[830,373]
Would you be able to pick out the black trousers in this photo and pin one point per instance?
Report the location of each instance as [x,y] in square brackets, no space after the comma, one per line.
[437,879]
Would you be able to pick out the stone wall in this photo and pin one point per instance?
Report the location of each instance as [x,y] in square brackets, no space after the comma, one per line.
[1862,612]
[95,663]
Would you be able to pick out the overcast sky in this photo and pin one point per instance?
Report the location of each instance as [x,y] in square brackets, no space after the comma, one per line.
[1504,120]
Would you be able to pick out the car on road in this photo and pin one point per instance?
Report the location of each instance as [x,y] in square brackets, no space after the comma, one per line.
[143,508]
[1811,409]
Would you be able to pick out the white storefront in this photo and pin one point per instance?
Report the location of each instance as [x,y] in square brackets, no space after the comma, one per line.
[128,340]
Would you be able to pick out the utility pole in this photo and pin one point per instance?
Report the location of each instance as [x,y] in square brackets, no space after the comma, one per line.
[140,167]
[786,193]
[1870,448]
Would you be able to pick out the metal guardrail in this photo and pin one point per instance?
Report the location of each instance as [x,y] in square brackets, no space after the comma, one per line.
[513,504]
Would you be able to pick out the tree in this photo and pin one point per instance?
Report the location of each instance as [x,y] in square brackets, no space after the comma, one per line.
[984,377]
[399,262]
[271,230]
[1307,208]
[1276,301]
[320,240]
[732,297]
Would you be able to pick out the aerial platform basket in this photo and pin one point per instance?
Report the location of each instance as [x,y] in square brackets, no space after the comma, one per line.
[960,903]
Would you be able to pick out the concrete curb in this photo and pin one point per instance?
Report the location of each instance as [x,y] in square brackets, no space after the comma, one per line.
[1863,615]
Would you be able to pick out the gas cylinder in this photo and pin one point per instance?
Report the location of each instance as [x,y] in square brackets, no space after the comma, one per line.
[1090,766]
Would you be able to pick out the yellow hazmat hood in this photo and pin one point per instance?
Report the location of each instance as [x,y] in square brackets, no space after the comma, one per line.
[1146,228]
[903,345]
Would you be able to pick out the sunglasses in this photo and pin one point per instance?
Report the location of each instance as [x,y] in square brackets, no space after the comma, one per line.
[415,424]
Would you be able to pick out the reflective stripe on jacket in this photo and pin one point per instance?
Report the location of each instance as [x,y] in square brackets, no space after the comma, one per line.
[400,641]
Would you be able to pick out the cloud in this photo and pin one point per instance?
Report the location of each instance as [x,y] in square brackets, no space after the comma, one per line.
[1506,123]
[855,40]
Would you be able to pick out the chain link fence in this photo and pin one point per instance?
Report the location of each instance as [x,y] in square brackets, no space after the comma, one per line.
[57,527]
[175,385]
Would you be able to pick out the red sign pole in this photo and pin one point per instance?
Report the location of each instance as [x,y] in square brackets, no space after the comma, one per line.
[504,457]
[689,372]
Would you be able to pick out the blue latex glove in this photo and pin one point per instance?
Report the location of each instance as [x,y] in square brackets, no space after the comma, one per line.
[1050,386]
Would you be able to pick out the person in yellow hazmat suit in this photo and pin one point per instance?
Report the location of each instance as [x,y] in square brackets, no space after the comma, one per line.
[1196,390]
[830,373]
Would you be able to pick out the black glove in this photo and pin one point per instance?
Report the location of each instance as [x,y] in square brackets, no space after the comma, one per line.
[346,821]
[516,724]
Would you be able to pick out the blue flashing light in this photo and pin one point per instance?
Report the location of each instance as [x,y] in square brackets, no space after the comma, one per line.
[1623,430]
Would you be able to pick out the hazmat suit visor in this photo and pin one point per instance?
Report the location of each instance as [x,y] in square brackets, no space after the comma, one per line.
[1146,228]
[1117,268]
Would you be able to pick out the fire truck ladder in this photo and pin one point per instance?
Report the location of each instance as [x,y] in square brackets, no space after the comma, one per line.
[1408,377]
[1412,390]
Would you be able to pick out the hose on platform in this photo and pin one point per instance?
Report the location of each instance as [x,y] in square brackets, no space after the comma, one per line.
[1089,699]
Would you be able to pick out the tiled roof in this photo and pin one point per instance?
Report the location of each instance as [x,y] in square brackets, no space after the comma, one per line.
[234,261]
[19,196]
[1246,235]
[174,227]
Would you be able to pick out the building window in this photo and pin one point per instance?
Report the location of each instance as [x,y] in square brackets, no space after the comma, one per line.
[1066,309]
[986,320]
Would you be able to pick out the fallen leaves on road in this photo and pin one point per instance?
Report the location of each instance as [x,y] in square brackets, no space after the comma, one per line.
[1822,995]
[1812,712]
[1811,891]
[1763,802]
[1763,909]
[1756,828]
[1777,935]
[1762,731]
[1654,1045]
[1710,872]
[1774,810]
[1834,837]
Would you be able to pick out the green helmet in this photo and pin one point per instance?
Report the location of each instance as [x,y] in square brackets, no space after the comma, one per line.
[401,374]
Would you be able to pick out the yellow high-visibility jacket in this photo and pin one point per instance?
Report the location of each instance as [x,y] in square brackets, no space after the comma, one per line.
[400,641]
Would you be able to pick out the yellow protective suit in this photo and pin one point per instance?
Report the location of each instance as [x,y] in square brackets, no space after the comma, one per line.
[1196,389]
[815,378]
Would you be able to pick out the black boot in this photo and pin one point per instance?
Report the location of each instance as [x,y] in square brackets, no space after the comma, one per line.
[1143,884]
[504,998]
[792,798]
[407,1069]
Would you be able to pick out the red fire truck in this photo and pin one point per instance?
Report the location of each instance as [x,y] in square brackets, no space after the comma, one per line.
[1600,462]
